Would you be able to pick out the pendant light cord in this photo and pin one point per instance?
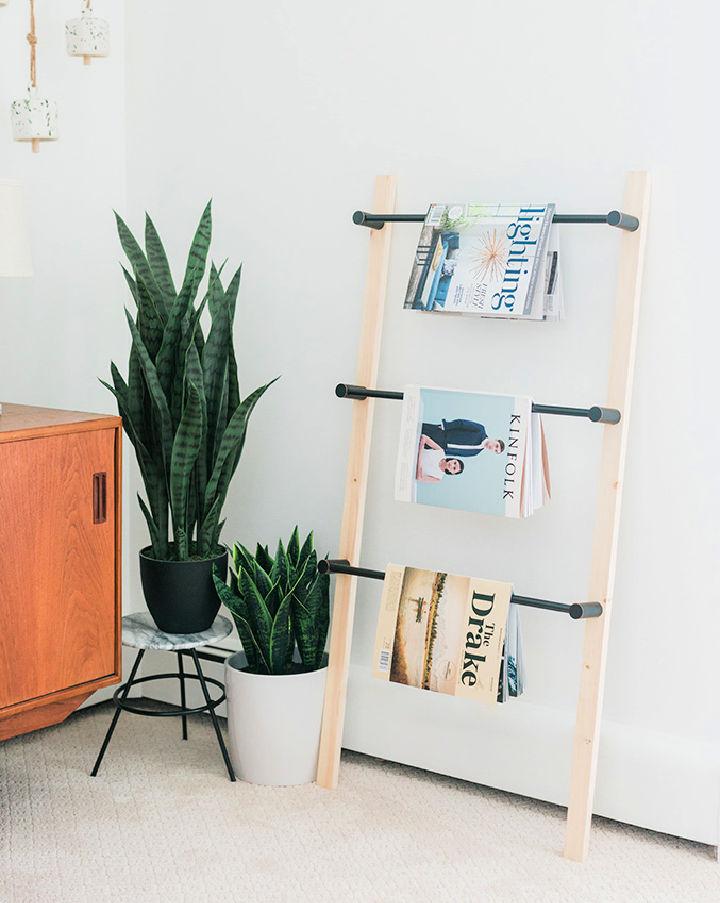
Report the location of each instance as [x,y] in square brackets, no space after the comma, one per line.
[32,41]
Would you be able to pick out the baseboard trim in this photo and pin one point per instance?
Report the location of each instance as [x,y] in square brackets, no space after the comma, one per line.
[653,780]
[650,779]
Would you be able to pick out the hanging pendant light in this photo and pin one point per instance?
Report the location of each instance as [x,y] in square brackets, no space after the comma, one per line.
[34,116]
[88,36]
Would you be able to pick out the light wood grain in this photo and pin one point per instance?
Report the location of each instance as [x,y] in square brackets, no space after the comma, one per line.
[355,489]
[607,521]
[60,578]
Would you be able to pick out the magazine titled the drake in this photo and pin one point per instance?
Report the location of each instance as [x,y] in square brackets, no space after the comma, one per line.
[472,451]
[448,634]
[493,260]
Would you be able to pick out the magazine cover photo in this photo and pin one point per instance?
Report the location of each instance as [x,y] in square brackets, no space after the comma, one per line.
[463,450]
[442,632]
[487,259]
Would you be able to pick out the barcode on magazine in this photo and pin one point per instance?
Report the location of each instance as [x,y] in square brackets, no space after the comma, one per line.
[384,660]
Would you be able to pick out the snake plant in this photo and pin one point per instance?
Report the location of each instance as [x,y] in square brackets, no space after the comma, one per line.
[181,405]
[276,603]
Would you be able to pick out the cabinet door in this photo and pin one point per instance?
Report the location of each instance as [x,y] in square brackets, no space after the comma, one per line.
[57,563]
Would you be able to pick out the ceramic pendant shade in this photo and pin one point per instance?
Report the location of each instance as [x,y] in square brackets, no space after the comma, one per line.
[87,36]
[34,118]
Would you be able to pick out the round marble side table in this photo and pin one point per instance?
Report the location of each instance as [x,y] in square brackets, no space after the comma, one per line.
[140,632]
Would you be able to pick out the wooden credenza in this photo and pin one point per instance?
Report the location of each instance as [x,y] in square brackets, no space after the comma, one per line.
[59,562]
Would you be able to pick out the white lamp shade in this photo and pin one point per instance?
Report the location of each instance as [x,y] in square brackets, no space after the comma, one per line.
[14,234]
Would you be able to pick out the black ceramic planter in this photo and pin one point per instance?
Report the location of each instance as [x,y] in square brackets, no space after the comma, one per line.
[181,595]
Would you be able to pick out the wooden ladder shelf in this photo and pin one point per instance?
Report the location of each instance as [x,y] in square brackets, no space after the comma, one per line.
[607,515]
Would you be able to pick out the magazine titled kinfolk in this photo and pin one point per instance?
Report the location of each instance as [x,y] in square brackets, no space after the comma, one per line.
[448,634]
[494,260]
[472,451]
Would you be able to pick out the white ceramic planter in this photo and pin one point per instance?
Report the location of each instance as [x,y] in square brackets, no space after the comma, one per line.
[274,723]
[87,36]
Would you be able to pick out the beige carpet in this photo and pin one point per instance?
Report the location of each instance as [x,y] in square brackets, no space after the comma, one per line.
[163,823]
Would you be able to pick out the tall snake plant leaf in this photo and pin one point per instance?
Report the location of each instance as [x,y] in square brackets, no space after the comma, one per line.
[179,313]
[280,638]
[119,384]
[242,558]
[279,563]
[307,547]
[184,454]
[166,359]
[259,617]
[156,392]
[138,261]
[157,258]
[215,535]
[262,581]
[263,558]
[136,396]
[152,526]
[215,363]
[197,256]
[150,323]
[308,618]
[233,386]
[193,373]
[233,438]
[154,480]
[237,607]
[180,377]
[206,528]
[293,549]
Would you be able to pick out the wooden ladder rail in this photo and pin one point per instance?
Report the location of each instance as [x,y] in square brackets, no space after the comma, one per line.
[355,489]
[607,520]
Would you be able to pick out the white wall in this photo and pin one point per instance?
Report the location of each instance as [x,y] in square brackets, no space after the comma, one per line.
[59,330]
[283,112]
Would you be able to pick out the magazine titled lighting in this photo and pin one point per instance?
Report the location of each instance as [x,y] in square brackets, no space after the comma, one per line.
[448,634]
[472,451]
[493,260]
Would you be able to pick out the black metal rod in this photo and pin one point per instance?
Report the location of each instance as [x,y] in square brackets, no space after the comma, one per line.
[595,414]
[125,689]
[213,716]
[181,672]
[206,656]
[616,218]
[576,610]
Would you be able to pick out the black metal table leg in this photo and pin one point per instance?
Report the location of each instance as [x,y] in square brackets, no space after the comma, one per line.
[182,694]
[211,709]
[116,716]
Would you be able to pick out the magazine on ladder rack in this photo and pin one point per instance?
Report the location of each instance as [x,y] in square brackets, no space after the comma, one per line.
[492,260]
[472,451]
[448,634]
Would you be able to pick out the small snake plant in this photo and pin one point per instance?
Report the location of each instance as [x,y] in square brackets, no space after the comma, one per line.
[277,603]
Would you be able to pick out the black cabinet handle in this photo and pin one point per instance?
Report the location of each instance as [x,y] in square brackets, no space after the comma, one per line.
[99,498]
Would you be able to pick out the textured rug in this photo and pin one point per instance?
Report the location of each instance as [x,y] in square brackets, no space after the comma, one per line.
[163,823]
